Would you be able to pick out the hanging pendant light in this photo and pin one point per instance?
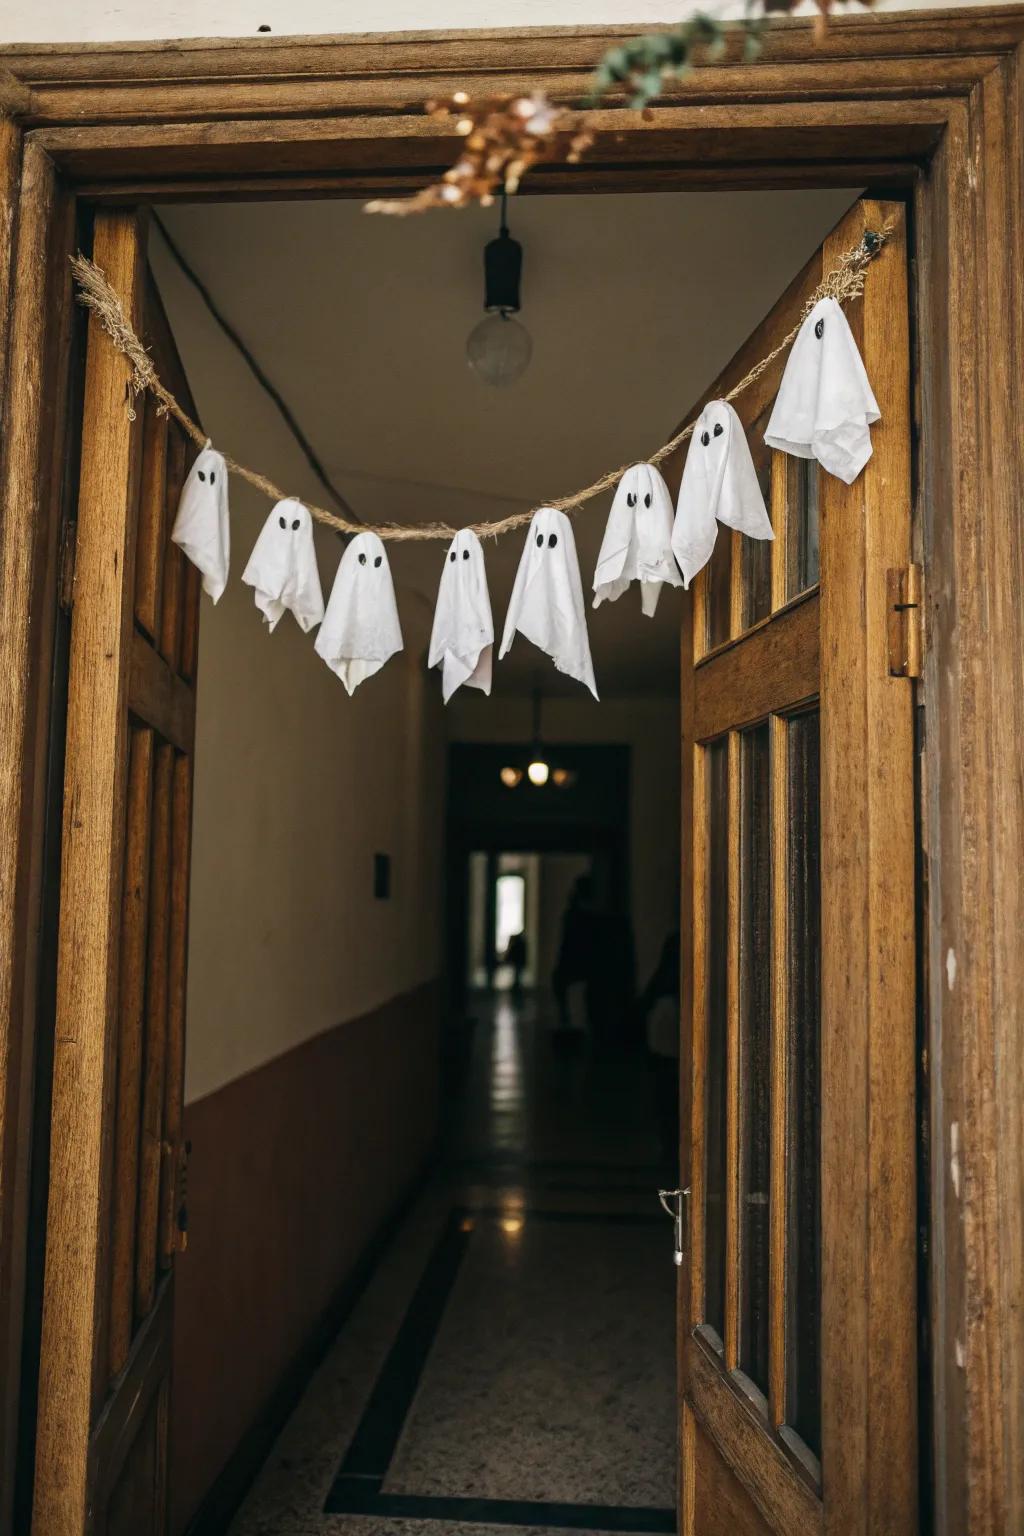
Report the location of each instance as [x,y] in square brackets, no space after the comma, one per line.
[499,348]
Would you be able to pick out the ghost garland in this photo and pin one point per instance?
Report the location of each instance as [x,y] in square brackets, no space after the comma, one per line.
[202,528]
[546,606]
[719,485]
[360,631]
[825,405]
[282,568]
[462,640]
[824,410]
[637,543]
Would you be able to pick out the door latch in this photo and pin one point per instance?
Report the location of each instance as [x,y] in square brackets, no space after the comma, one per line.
[905,600]
[673,1202]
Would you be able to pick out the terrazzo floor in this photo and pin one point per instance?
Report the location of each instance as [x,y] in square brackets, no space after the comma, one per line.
[511,1366]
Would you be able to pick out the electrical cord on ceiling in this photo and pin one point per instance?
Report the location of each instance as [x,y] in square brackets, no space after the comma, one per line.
[266,384]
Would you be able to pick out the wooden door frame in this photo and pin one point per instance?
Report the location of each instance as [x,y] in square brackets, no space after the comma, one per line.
[927,103]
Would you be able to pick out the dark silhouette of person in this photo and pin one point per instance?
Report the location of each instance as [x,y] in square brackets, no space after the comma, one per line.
[574,961]
[595,954]
[515,955]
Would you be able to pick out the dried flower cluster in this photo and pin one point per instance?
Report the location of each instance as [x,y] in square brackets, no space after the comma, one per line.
[504,137]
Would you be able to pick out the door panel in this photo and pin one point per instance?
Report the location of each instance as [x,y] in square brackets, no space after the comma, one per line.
[115,1218]
[729,1509]
[797,1313]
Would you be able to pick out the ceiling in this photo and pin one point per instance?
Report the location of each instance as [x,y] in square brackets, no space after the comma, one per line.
[634,303]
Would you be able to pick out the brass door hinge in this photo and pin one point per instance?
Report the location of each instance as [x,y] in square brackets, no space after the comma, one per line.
[174,1192]
[905,590]
[66,564]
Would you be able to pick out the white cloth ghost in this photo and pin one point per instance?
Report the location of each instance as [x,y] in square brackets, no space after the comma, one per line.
[462,640]
[825,406]
[360,631]
[283,569]
[547,600]
[719,485]
[201,526]
[637,544]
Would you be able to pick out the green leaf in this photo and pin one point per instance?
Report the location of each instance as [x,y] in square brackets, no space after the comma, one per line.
[651,83]
[644,62]
[616,63]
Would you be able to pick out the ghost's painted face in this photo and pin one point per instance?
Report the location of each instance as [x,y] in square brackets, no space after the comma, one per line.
[206,476]
[638,494]
[288,523]
[365,555]
[712,436]
[544,540]
[459,551]
[713,425]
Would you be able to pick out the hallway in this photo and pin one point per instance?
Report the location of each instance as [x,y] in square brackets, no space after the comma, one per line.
[511,1364]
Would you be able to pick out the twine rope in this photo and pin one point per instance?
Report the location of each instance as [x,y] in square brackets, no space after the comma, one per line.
[843,283]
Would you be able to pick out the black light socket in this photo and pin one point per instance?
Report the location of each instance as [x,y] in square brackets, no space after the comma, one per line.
[503,266]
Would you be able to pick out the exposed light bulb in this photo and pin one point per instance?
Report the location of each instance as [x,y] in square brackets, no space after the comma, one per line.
[537,772]
[510,777]
[499,349]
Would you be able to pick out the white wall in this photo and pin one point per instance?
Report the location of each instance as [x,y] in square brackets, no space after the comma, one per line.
[297,785]
[650,727]
[108,20]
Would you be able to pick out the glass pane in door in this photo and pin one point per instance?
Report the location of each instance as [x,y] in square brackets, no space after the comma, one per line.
[756,554]
[803,1369]
[718,600]
[755,1051]
[716,1014]
[802,558]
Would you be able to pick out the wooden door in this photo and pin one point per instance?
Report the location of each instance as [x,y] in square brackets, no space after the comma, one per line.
[115,1217]
[798,1302]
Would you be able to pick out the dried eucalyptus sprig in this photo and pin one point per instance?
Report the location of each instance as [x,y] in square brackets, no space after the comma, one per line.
[643,64]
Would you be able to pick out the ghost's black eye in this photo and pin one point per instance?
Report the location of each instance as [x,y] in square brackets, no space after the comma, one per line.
[282,522]
[719,429]
[819,329]
[295,524]
[202,477]
[630,499]
[213,477]
[465,554]
[705,438]
[362,559]
[552,540]
[377,561]
[451,557]
[647,499]
[540,540]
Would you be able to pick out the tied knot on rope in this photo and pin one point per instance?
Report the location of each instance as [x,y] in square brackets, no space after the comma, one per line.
[843,283]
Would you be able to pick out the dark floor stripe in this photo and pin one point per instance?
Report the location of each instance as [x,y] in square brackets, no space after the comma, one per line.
[360,1497]
[373,1444]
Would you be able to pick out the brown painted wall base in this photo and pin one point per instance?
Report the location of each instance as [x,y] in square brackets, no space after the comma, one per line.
[295,1167]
